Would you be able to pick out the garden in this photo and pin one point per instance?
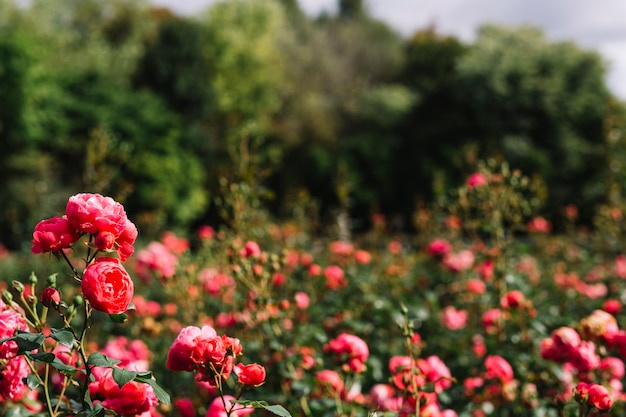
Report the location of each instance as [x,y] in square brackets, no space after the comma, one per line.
[256,212]
[484,311]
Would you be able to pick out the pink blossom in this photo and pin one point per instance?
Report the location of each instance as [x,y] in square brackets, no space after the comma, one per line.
[341,248]
[475,180]
[185,407]
[176,245]
[53,235]
[498,368]
[250,250]
[512,300]
[612,367]
[10,321]
[454,319]
[460,261]
[330,380]
[383,397]
[156,259]
[435,371]
[12,375]
[302,300]
[215,282]
[179,357]
[476,286]
[94,213]
[131,399]
[219,407]
[335,277]
[394,247]
[362,257]
[539,225]
[350,348]
[439,247]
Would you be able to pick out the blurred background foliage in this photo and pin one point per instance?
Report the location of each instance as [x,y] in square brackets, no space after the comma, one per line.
[133,101]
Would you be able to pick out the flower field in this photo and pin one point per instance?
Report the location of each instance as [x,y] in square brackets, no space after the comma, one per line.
[484,310]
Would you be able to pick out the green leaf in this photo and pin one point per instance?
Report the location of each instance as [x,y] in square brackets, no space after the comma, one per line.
[123,376]
[63,367]
[46,357]
[27,341]
[98,359]
[32,381]
[279,410]
[161,394]
[64,337]
[119,318]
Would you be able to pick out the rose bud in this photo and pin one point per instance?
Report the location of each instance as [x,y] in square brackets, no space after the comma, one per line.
[50,297]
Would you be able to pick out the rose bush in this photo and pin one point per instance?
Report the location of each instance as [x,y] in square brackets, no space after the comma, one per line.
[469,317]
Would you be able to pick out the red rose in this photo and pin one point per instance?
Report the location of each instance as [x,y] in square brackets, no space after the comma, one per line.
[52,235]
[253,374]
[107,286]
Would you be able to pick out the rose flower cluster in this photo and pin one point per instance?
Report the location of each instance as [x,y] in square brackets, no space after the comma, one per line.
[211,357]
[105,283]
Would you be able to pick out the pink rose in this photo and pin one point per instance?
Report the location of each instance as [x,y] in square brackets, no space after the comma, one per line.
[435,371]
[302,300]
[476,180]
[179,354]
[132,399]
[335,277]
[12,376]
[10,321]
[460,261]
[125,241]
[53,235]
[362,257]
[206,232]
[250,250]
[94,213]
[498,368]
[454,319]
[156,258]
[439,247]
[512,299]
[185,407]
[331,380]
[219,407]
[107,286]
[539,225]
[352,348]
[599,397]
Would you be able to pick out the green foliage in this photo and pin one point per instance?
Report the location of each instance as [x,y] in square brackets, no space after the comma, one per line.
[532,97]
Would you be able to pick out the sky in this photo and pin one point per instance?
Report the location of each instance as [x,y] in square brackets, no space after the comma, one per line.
[597,25]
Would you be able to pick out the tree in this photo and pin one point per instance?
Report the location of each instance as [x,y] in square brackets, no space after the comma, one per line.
[542,105]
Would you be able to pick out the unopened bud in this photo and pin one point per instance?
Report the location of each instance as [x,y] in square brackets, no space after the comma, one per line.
[33,278]
[7,297]
[50,297]
[52,280]
[18,286]
[79,300]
